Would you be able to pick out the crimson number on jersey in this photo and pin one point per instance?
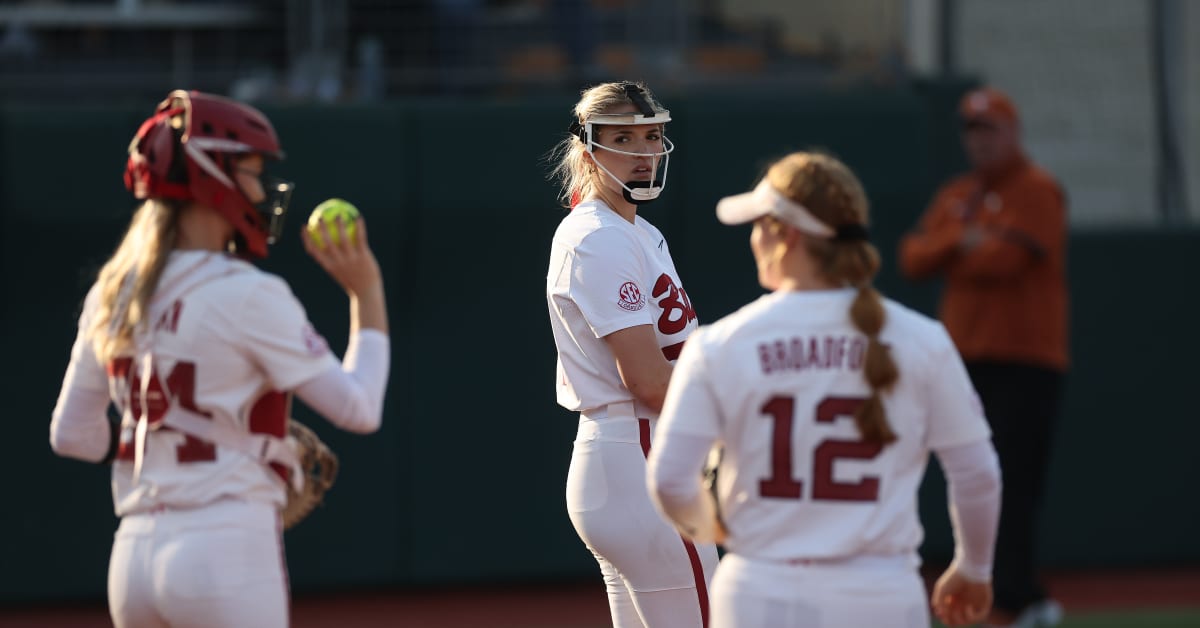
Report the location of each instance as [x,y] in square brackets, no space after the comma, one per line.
[782,484]
[677,309]
[180,387]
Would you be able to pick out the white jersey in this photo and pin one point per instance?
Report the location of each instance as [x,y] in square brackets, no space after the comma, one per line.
[778,383]
[227,341]
[607,274]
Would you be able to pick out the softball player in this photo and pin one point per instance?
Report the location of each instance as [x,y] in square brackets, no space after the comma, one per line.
[620,316]
[826,400]
[199,351]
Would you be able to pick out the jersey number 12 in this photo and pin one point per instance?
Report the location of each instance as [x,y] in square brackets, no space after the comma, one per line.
[782,484]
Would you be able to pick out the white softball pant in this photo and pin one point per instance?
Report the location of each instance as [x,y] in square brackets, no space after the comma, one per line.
[218,565]
[655,579]
[864,591]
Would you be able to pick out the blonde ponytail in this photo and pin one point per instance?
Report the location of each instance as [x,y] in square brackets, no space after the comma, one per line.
[129,278]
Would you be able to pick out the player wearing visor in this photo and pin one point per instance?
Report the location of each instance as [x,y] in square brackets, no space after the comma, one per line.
[827,400]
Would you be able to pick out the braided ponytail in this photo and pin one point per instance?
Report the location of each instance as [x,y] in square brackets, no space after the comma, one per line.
[879,369]
[828,189]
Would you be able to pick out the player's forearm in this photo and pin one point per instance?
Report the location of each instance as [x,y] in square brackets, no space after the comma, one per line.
[644,370]
[651,391]
[368,309]
[647,379]
[367,361]
[973,478]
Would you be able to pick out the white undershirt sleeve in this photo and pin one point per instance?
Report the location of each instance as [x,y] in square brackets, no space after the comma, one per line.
[79,426]
[674,474]
[687,428]
[351,397]
[973,478]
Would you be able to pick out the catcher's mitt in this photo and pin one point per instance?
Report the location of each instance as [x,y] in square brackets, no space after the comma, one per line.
[319,465]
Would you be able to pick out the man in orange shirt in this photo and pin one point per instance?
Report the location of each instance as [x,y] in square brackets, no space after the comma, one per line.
[997,235]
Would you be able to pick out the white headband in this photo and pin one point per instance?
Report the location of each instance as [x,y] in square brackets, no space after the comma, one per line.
[764,199]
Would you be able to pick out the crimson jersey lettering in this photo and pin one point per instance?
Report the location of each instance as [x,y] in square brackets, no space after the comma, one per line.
[169,321]
[781,484]
[180,388]
[677,309]
[830,450]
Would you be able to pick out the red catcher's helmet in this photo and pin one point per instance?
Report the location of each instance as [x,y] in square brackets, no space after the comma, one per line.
[185,152]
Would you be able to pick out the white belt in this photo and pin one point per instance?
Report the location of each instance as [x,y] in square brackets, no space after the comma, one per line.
[616,422]
[618,410]
[892,561]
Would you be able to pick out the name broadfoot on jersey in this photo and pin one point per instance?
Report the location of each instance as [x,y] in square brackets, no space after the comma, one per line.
[813,352]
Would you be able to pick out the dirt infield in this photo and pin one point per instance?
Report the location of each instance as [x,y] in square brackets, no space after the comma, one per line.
[1126,589]
[583,605]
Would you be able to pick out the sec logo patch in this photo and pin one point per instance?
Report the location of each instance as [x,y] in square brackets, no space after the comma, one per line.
[314,342]
[630,297]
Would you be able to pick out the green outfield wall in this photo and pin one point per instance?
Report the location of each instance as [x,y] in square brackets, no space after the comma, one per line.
[465,482]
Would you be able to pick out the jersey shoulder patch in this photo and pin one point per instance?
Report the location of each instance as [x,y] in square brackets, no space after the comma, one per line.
[630,297]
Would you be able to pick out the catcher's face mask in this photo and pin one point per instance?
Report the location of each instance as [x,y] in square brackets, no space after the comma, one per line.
[635,191]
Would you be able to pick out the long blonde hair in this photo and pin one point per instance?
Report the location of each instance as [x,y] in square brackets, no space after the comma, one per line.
[577,178]
[828,189]
[129,278]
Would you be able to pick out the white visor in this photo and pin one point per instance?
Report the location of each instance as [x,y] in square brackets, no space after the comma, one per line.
[765,200]
[629,119]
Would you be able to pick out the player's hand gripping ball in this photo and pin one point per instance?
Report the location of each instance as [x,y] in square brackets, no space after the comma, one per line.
[328,213]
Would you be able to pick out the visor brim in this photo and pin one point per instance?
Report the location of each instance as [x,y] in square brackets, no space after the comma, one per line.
[740,209]
[629,119]
[764,200]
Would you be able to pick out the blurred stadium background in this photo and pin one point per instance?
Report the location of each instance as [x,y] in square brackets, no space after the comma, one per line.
[434,117]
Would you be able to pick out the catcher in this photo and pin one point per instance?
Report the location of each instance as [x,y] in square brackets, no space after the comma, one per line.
[200,351]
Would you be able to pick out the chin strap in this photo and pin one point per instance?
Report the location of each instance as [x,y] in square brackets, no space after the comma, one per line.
[643,189]
[639,192]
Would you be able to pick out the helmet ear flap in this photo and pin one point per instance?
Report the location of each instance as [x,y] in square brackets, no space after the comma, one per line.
[156,166]
[176,171]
